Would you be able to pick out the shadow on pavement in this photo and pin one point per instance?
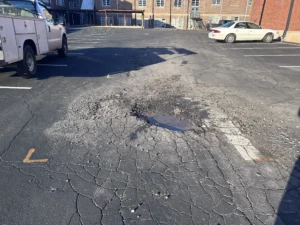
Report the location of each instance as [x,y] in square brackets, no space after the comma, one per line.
[289,208]
[299,112]
[98,62]
[74,29]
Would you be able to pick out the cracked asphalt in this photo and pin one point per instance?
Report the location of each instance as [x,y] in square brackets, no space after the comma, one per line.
[107,166]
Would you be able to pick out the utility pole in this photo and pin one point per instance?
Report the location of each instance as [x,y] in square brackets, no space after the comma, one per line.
[262,12]
[288,21]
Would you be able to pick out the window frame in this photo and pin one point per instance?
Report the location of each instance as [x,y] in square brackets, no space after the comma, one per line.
[161,5]
[216,2]
[107,1]
[73,5]
[63,3]
[141,3]
[195,3]
[176,5]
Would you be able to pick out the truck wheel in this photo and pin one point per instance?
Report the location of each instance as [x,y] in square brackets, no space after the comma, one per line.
[230,38]
[27,67]
[268,38]
[63,52]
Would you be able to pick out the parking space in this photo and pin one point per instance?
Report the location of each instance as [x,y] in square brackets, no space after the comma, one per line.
[277,54]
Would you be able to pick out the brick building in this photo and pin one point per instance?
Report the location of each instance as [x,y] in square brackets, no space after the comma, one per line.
[158,13]
[282,15]
[181,14]
[215,10]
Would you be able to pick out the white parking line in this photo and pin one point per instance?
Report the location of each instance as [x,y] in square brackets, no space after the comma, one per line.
[235,137]
[289,66]
[10,87]
[270,55]
[69,53]
[285,43]
[266,48]
[51,65]
[85,42]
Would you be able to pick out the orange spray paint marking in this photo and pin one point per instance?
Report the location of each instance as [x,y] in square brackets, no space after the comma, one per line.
[28,160]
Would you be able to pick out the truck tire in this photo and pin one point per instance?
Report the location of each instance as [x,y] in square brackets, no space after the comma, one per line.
[63,52]
[230,38]
[268,38]
[27,67]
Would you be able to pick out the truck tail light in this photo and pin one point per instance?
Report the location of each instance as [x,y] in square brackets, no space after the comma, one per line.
[216,31]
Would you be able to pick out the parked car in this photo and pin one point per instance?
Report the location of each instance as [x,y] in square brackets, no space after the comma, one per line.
[209,26]
[28,29]
[243,31]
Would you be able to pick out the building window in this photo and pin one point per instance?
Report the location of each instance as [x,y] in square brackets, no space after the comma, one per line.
[160,3]
[72,5]
[142,3]
[105,2]
[177,3]
[216,2]
[249,2]
[60,2]
[236,18]
[195,2]
[110,21]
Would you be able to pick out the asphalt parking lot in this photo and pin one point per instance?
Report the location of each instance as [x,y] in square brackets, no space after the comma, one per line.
[278,54]
[91,139]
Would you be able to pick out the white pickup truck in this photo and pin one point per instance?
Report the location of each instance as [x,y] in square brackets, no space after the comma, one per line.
[27,29]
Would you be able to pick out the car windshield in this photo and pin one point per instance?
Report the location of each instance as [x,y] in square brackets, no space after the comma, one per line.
[229,24]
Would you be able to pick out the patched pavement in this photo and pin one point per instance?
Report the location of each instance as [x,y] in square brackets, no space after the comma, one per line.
[234,160]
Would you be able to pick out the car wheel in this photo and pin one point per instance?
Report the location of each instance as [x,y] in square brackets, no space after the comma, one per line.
[268,38]
[63,52]
[27,67]
[230,38]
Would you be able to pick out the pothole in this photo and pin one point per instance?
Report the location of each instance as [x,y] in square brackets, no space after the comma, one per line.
[172,123]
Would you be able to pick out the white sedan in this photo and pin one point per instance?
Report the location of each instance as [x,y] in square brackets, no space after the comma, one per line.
[243,31]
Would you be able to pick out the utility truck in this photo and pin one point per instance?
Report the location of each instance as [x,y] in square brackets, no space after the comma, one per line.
[27,29]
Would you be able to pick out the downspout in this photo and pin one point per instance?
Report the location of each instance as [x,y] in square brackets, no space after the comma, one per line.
[187,15]
[152,13]
[246,10]
[204,10]
[118,13]
[170,14]
[288,19]
[221,9]
[262,12]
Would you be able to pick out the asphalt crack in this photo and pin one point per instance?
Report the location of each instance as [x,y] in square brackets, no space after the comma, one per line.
[20,131]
